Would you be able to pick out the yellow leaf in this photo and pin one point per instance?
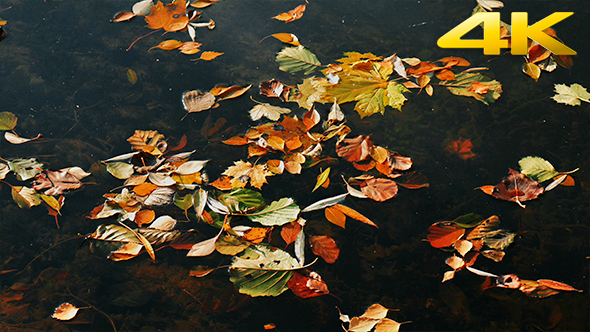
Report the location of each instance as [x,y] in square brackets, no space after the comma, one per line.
[168,45]
[335,216]
[322,178]
[532,70]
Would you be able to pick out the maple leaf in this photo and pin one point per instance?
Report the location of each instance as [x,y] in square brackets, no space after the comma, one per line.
[171,17]
[245,170]
[310,91]
[571,95]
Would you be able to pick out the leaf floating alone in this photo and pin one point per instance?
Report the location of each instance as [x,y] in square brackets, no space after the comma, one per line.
[15,139]
[7,121]
[296,59]
[131,76]
[291,15]
[122,17]
[566,95]
[209,55]
[65,311]
[197,101]
[462,148]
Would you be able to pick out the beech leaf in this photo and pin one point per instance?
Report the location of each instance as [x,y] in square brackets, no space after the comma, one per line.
[297,59]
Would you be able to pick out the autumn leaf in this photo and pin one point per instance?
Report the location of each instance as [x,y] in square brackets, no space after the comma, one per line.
[290,231]
[325,247]
[322,178]
[273,113]
[335,216]
[444,234]
[7,121]
[171,17]
[273,88]
[355,149]
[311,118]
[515,188]
[532,70]
[490,4]
[462,86]
[462,148]
[353,214]
[123,16]
[379,189]
[56,182]
[307,284]
[197,101]
[291,15]
[571,95]
[15,139]
[209,55]
[65,311]
[255,174]
[296,59]
[168,45]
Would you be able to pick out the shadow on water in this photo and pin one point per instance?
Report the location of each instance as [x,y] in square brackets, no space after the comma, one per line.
[63,73]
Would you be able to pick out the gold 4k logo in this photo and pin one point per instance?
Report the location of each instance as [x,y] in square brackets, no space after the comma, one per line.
[521,31]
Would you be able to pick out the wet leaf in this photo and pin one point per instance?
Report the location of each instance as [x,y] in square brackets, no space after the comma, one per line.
[490,4]
[291,15]
[462,148]
[354,214]
[120,170]
[532,70]
[537,168]
[557,285]
[297,59]
[288,38]
[571,95]
[325,247]
[209,55]
[4,170]
[200,271]
[412,180]
[7,121]
[142,8]
[56,182]
[277,213]
[379,189]
[131,76]
[230,245]
[325,203]
[65,311]
[335,216]
[204,248]
[171,17]
[516,188]
[15,139]
[25,169]
[123,16]
[307,284]
[144,217]
[261,270]
[168,45]
[322,178]
[25,197]
[462,86]
[273,113]
[355,149]
[311,118]
[444,234]
[197,101]
[290,231]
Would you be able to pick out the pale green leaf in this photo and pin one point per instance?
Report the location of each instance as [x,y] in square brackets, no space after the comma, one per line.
[25,197]
[296,59]
[571,95]
[537,168]
[261,270]
[25,169]
[120,170]
[277,213]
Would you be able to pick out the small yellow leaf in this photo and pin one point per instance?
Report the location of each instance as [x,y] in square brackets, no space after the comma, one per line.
[532,70]
[322,178]
[168,45]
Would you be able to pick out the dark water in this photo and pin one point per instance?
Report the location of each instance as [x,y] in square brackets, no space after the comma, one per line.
[63,73]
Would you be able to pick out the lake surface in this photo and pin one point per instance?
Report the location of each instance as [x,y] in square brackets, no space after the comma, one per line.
[63,73]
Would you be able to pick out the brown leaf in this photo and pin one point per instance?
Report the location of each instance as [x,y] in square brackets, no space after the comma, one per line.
[517,188]
[144,217]
[65,311]
[197,101]
[355,149]
[272,88]
[444,234]
[123,16]
[379,189]
[237,140]
[56,182]
[233,92]
[462,148]
[412,180]
[168,45]
[557,285]
[290,231]
[325,247]
[311,118]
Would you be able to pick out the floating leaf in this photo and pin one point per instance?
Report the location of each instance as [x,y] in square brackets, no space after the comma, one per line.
[290,231]
[197,101]
[277,213]
[354,214]
[515,188]
[296,59]
[537,168]
[322,178]
[25,169]
[123,16]
[462,86]
[209,55]
[291,15]
[532,70]
[444,234]
[355,149]
[168,45]
[171,17]
[288,38]
[131,76]
[273,113]
[325,247]
[25,197]
[325,203]
[7,121]
[65,311]
[15,139]
[379,189]
[56,182]
[571,95]
[261,270]
[462,148]
[307,284]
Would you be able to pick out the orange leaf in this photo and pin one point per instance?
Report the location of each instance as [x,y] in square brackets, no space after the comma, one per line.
[445,75]
[293,143]
[237,140]
[412,180]
[325,247]
[171,17]
[379,189]
[462,148]
[122,16]
[290,231]
[355,149]
[223,183]
[292,15]
[144,189]
[144,217]
[181,144]
[311,118]
[444,234]
[365,166]
[307,284]
[209,55]
[557,285]
[288,38]
[335,216]
[256,234]
[454,61]
[487,189]
[479,88]
[272,88]
[354,214]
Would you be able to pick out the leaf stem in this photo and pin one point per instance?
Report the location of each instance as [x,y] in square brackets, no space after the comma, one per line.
[138,39]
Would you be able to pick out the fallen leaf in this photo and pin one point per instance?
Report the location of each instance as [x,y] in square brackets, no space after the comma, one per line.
[335,216]
[444,234]
[209,55]
[462,148]
[307,284]
[291,15]
[15,139]
[354,214]
[490,4]
[273,113]
[123,16]
[355,149]
[7,121]
[379,189]
[65,311]
[272,88]
[288,38]
[131,76]
[290,231]
[171,17]
[296,59]
[516,188]
[56,182]
[322,178]
[197,101]
[532,70]
[325,247]
[569,95]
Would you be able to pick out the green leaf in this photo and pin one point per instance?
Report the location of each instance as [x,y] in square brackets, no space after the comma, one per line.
[322,179]
[261,270]
[242,199]
[296,59]
[277,213]
[184,202]
[7,121]
[394,96]
[537,168]
[463,86]
[571,95]
[25,169]
[120,170]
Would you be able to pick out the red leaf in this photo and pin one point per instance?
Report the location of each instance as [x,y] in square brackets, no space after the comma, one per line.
[181,144]
[307,284]
[444,234]
[272,88]
[462,148]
